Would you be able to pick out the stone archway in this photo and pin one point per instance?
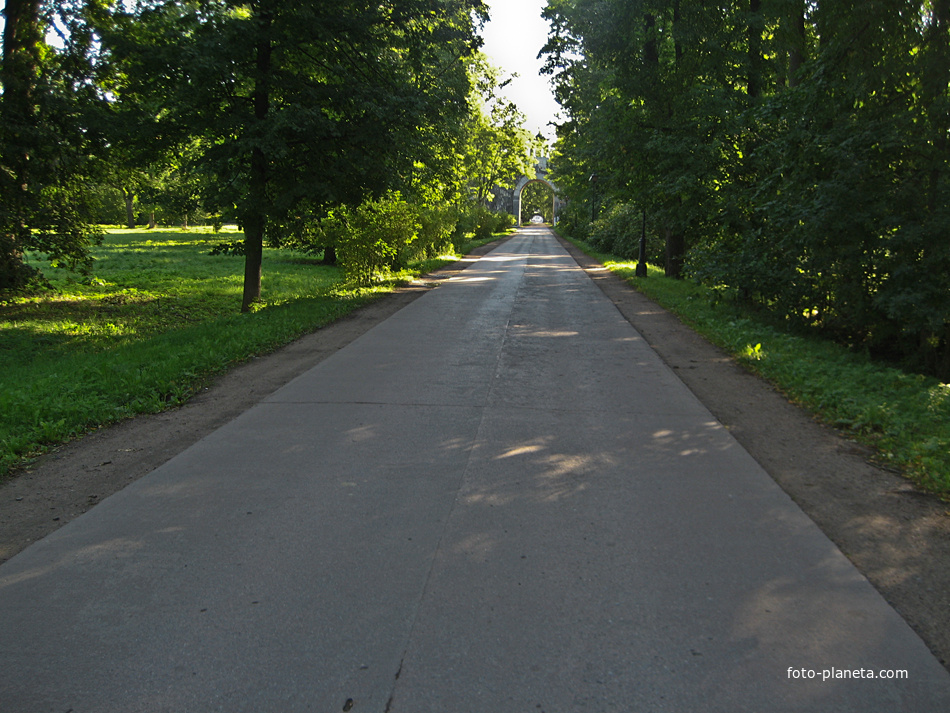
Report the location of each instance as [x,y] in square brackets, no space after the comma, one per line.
[523,182]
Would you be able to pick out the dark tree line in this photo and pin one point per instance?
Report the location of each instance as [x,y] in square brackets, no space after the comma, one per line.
[792,153]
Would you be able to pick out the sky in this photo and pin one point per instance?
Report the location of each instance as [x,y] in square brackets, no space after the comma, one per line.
[513,38]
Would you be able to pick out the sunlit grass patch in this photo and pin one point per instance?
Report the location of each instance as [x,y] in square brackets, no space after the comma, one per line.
[156,319]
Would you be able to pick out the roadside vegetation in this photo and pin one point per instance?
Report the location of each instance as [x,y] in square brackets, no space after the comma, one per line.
[356,145]
[790,158]
[904,416]
[794,154]
[152,323]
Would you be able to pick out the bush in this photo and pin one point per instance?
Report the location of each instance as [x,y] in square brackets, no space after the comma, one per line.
[504,222]
[387,234]
[479,223]
[436,228]
[485,222]
[376,237]
[465,222]
[15,275]
[574,220]
[232,247]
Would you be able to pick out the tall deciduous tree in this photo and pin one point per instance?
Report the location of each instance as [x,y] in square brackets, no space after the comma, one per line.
[46,135]
[794,151]
[497,148]
[646,85]
[301,105]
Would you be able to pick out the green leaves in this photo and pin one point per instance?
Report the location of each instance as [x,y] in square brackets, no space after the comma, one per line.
[47,134]
[801,151]
[375,237]
[299,107]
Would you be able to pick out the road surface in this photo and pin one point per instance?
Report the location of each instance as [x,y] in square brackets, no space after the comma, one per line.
[499,499]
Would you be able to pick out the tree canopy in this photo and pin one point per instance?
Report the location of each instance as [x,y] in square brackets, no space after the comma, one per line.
[298,106]
[794,153]
[271,113]
[49,135]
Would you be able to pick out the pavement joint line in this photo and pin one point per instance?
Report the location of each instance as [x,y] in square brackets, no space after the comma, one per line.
[438,549]
[414,404]
[501,405]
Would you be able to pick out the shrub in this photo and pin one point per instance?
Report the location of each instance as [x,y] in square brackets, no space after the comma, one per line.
[436,228]
[376,237]
[487,223]
[465,222]
[480,223]
[574,220]
[504,221]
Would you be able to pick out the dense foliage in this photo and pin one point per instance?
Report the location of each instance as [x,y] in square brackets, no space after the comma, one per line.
[48,132]
[792,153]
[286,118]
[299,106]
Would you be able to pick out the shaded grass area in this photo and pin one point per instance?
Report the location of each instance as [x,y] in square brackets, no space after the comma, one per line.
[905,417]
[154,322]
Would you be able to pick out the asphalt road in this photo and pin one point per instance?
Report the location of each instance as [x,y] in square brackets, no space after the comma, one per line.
[499,499]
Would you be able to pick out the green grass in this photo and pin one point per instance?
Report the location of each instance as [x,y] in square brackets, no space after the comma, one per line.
[153,323]
[905,417]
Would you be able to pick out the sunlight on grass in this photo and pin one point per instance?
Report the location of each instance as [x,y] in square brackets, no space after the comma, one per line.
[154,321]
[157,317]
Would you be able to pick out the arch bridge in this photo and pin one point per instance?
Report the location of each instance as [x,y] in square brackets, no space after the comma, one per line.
[541,171]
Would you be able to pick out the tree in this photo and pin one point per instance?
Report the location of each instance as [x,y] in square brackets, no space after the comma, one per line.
[497,148]
[47,136]
[795,152]
[646,85]
[301,106]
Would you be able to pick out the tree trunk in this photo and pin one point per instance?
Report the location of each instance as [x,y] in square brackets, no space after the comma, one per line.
[129,208]
[18,72]
[254,225]
[677,41]
[935,83]
[754,79]
[675,252]
[151,221]
[651,52]
[255,216]
[942,365]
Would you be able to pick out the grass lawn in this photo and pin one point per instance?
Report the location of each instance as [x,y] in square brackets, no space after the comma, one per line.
[905,417]
[157,318]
